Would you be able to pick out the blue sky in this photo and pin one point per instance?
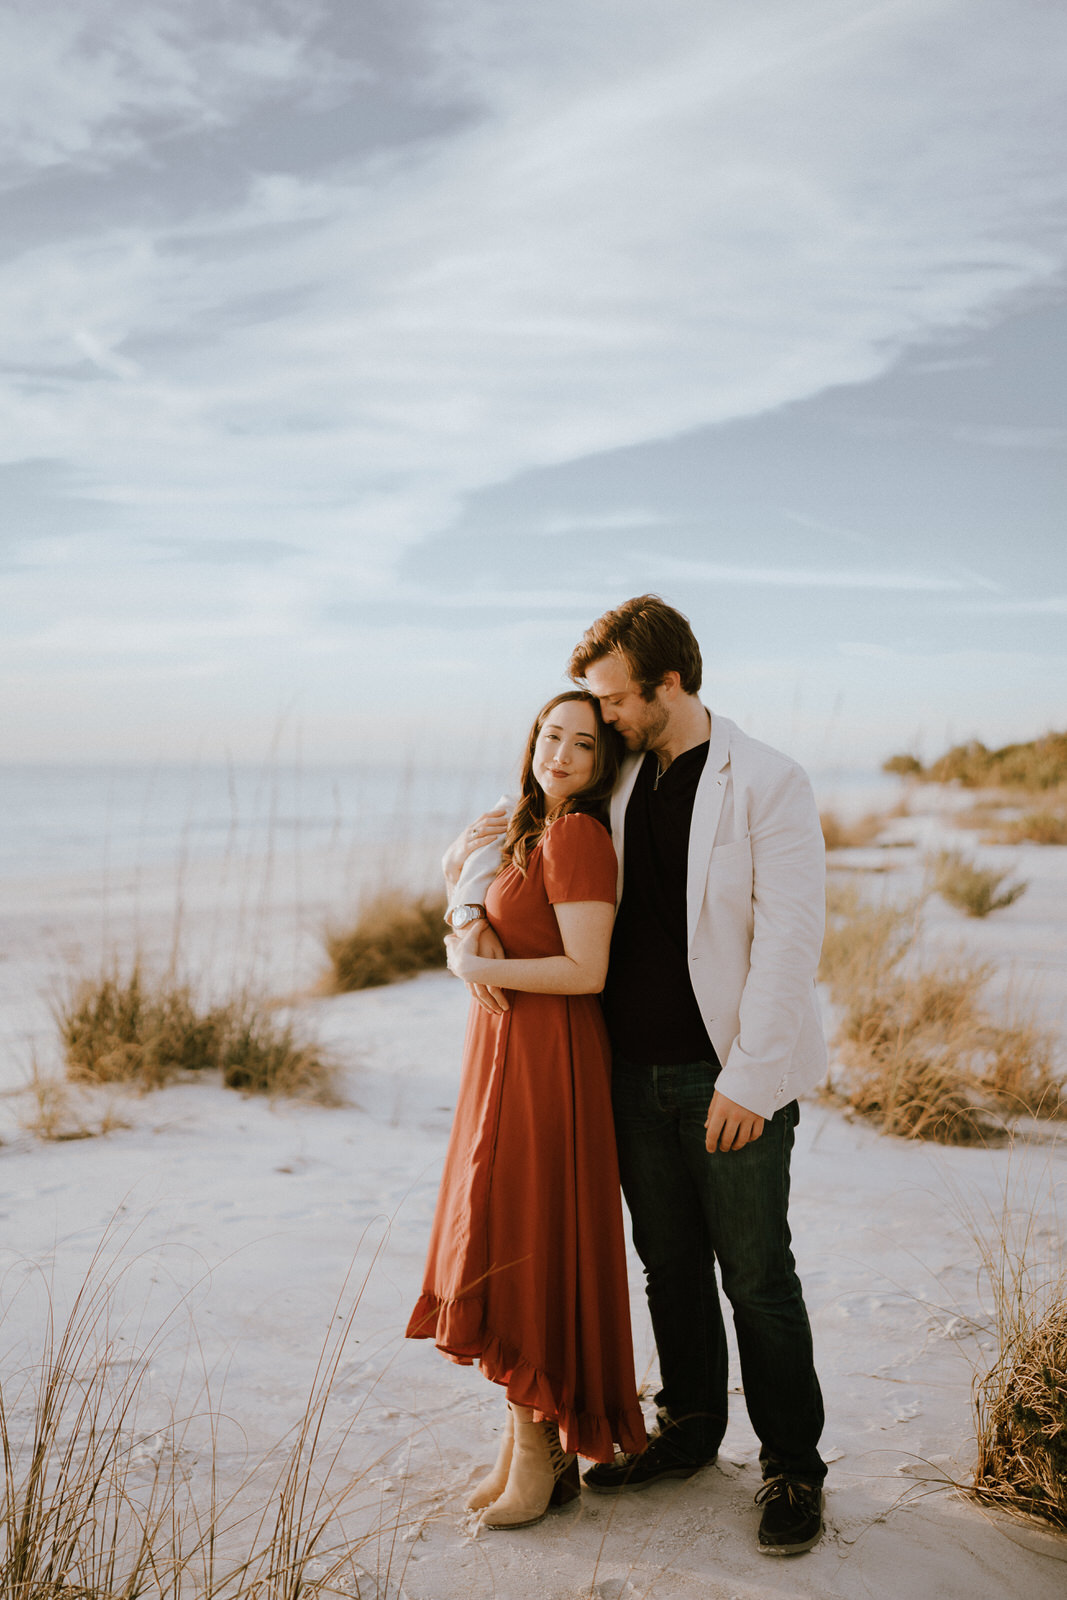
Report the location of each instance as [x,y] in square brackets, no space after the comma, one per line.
[356,356]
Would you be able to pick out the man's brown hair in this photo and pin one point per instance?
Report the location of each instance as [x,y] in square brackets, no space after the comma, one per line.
[649,637]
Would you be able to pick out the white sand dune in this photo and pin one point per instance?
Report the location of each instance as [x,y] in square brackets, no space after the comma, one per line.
[248,1216]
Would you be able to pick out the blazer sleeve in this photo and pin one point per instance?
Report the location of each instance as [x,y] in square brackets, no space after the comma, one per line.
[481,867]
[788,918]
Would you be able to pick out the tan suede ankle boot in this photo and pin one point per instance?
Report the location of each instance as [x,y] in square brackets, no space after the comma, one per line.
[541,1475]
[494,1483]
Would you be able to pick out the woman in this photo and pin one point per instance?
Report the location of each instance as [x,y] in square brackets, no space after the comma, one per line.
[526,1270]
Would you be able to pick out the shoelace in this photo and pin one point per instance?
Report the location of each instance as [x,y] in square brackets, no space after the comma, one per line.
[798,1494]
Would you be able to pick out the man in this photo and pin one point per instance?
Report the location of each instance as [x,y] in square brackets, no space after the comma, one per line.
[711,1008]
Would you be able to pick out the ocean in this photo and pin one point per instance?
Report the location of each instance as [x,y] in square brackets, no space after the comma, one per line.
[67,819]
[63,819]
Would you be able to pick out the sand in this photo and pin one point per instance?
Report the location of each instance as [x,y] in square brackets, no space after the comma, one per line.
[242,1221]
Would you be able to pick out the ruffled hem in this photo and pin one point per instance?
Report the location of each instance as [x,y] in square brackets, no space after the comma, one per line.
[458,1329]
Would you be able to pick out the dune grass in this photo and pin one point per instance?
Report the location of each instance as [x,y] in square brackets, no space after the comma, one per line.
[1019,1068]
[395,936]
[1048,825]
[916,1051]
[970,888]
[840,835]
[97,1503]
[985,815]
[1031,766]
[1022,1434]
[1020,1402]
[61,1114]
[130,1028]
[904,1045]
[865,939]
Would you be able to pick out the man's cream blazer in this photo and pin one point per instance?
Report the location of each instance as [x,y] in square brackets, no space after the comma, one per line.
[755,898]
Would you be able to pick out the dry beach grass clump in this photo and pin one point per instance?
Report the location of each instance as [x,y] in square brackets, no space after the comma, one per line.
[841,835]
[1020,1402]
[1000,819]
[129,1028]
[1022,1422]
[99,1499]
[917,1052]
[971,888]
[394,937]
[1047,825]
[1032,766]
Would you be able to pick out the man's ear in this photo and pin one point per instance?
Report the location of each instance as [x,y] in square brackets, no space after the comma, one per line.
[672,683]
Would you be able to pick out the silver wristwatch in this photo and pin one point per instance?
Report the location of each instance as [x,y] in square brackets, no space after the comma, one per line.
[462,916]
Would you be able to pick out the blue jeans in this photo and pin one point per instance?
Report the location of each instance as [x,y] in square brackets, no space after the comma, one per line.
[690,1209]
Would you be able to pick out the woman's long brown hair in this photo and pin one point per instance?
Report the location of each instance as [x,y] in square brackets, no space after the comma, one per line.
[528,820]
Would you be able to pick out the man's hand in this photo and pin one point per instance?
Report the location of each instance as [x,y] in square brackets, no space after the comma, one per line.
[729,1126]
[492,1000]
[490,825]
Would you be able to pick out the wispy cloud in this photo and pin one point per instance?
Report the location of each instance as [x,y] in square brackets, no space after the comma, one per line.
[100,82]
[644,221]
[601,522]
[1050,605]
[552,279]
[773,577]
[115,365]
[1004,437]
[846,535]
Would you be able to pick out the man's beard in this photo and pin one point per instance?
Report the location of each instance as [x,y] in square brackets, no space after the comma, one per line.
[648,734]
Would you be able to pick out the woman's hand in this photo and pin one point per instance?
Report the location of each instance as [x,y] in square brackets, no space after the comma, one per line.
[479,942]
[462,952]
[483,830]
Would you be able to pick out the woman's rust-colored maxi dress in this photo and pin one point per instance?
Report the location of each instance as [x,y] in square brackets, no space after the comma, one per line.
[526,1271]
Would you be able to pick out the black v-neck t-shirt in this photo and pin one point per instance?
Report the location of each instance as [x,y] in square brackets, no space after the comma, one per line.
[651,1010]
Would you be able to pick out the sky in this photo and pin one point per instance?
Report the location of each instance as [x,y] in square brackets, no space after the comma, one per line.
[356,356]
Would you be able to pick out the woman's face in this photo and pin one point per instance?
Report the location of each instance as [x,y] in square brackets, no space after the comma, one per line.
[565,753]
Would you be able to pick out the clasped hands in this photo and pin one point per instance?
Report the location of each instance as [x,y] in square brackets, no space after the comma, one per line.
[729,1126]
[466,952]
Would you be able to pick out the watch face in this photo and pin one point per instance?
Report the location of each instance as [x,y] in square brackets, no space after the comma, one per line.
[465,914]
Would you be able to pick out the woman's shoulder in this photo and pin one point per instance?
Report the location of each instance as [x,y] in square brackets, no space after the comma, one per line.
[576,822]
[576,831]
[579,859]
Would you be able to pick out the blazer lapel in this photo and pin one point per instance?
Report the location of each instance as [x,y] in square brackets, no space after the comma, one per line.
[620,799]
[707,809]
